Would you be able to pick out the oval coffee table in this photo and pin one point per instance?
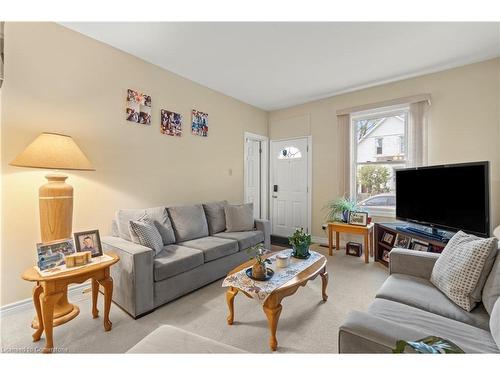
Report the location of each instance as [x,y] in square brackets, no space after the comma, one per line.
[272,305]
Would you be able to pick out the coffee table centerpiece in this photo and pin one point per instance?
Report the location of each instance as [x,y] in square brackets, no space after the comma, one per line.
[259,271]
[300,242]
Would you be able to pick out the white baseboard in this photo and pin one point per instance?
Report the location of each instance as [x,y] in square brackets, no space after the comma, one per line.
[320,240]
[26,304]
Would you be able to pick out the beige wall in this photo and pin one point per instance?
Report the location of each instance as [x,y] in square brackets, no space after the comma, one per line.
[465,125]
[60,81]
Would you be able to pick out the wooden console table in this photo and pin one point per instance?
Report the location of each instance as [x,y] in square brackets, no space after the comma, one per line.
[50,297]
[366,232]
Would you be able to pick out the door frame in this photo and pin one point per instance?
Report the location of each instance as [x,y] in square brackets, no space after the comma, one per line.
[309,178]
[264,171]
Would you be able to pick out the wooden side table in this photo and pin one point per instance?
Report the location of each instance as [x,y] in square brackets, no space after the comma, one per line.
[366,232]
[50,297]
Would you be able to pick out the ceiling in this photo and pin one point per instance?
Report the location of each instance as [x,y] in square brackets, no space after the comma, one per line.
[280,64]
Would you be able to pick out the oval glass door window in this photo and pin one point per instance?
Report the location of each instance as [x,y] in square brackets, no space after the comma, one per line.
[290,153]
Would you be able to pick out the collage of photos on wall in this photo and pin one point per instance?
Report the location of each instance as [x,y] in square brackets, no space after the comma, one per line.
[170,123]
[138,107]
[199,124]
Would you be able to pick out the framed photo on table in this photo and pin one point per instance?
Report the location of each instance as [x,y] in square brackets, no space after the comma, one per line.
[89,241]
[51,254]
[358,218]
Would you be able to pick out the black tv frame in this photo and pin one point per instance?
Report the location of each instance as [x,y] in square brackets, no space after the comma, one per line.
[433,226]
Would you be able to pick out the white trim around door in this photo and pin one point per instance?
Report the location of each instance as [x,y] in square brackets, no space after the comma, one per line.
[309,178]
[264,171]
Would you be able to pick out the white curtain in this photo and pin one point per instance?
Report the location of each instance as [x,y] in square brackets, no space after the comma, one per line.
[417,133]
[343,154]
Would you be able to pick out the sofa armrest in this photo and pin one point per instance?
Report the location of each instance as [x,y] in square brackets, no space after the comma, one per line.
[264,226]
[132,275]
[411,262]
[365,333]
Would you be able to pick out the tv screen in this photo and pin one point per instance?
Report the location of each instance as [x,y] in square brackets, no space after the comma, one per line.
[454,196]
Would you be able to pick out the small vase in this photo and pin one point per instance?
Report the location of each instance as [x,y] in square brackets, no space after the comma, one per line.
[259,271]
[345,216]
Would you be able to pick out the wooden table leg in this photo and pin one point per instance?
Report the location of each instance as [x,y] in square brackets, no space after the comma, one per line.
[330,240]
[324,283]
[273,314]
[107,284]
[95,293]
[337,240]
[47,305]
[37,291]
[367,248]
[370,234]
[230,294]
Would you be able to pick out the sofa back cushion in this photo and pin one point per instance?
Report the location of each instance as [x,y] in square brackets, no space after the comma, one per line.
[491,290]
[216,218]
[239,218]
[458,271]
[495,323]
[189,222]
[156,215]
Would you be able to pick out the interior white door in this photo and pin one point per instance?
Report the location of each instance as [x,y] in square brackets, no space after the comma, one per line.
[252,175]
[289,185]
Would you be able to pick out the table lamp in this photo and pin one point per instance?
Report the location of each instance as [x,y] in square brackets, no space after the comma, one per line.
[58,152]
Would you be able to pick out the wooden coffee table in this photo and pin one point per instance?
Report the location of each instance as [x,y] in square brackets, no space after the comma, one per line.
[50,297]
[272,305]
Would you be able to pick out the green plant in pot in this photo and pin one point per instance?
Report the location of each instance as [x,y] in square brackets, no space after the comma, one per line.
[338,209]
[300,242]
[259,269]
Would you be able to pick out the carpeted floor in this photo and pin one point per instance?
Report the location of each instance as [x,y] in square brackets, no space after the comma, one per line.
[306,325]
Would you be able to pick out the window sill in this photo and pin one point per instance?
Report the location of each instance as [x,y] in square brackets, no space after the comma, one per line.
[380,212]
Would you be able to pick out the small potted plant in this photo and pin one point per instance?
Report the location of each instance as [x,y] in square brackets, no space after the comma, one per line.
[259,269]
[300,242]
[338,209]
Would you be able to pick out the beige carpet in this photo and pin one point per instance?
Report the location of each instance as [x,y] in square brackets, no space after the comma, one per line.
[306,325]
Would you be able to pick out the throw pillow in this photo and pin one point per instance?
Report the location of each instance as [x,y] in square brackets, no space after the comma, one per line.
[495,323]
[216,218]
[158,215]
[147,234]
[457,272]
[491,290]
[239,218]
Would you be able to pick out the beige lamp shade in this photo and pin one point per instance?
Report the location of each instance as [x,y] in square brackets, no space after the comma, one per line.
[53,151]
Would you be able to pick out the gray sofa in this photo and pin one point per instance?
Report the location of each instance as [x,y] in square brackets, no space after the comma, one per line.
[408,307]
[197,250]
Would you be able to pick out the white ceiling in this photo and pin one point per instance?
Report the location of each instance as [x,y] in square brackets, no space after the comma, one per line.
[277,65]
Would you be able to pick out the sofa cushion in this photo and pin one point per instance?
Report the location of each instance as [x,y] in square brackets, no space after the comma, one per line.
[461,270]
[239,218]
[469,338]
[245,239]
[213,247]
[175,259]
[491,290]
[189,222]
[147,234]
[158,215]
[420,293]
[495,323]
[216,219]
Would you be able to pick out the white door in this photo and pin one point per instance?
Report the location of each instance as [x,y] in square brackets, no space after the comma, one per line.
[289,186]
[252,175]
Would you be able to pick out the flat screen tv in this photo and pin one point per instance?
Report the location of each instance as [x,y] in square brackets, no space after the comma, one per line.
[452,197]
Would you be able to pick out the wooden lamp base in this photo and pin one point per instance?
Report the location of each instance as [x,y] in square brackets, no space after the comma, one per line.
[63,312]
[56,208]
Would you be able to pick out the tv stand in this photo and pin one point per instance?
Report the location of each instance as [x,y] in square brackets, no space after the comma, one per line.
[407,236]
[433,233]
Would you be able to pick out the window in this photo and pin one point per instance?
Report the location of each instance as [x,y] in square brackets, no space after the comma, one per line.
[373,175]
[290,153]
[378,145]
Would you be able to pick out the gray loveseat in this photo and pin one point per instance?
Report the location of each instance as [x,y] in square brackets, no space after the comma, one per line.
[197,250]
[408,307]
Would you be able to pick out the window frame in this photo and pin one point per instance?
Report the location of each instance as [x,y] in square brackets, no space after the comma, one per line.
[374,114]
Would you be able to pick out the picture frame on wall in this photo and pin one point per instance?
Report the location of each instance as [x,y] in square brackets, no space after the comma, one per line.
[419,245]
[89,241]
[358,218]
[388,238]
